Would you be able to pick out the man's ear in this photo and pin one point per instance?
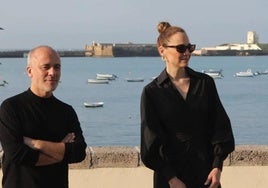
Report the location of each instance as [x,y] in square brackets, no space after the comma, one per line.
[29,71]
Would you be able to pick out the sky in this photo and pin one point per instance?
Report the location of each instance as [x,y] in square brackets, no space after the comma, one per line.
[72,24]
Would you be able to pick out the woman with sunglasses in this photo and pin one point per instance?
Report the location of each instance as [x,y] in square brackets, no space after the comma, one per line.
[185,131]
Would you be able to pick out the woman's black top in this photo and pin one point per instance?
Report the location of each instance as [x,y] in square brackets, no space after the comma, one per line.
[184,137]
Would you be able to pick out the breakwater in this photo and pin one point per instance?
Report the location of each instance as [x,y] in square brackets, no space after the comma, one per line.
[23,53]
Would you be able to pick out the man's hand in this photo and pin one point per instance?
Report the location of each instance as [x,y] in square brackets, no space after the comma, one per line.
[32,143]
[213,179]
[69,138]
[35,144]
[54,150]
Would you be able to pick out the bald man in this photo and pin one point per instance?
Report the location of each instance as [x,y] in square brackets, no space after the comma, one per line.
[40,134]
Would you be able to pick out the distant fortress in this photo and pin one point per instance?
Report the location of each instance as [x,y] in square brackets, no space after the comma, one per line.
[120,50]
[251,48]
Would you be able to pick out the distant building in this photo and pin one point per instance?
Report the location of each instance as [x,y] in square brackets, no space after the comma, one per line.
[249,48]
[252,37]
[120,50]
[99,50]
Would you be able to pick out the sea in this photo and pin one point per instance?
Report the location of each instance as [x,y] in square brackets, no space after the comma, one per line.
[117,123]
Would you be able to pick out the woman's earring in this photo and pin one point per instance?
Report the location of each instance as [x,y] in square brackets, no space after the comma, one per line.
[163,58]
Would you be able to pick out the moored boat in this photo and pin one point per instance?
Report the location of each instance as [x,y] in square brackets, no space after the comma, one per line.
[247,73]
[263,72]
[212,71]
[216,74]
[134,79]
[100,76]
[3,83]
[93,104]
[96,81]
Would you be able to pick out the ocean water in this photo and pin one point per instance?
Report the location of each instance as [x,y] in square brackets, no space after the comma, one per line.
[118,121]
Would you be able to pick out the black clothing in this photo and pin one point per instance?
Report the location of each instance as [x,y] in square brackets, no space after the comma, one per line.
[184,137]
[39,118]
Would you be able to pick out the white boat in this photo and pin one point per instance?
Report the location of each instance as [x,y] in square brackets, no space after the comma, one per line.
[214,75]
[247,73]
[96,81]
[134,79]
[93,104]
[105,76]
[212,71]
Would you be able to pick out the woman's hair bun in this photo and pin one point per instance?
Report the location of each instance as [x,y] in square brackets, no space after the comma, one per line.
[162,26]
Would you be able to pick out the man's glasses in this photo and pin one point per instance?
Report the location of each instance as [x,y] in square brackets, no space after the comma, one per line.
[181,48]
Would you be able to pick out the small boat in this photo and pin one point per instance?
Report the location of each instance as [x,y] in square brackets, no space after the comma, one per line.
[212,71]
[247,73]
[257,73]
[3,83]
[134,79]
[96,81]
[214,75]
[105,76]
[263,72]
[93,104]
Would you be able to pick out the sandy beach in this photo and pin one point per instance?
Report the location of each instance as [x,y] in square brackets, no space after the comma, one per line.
[141,177]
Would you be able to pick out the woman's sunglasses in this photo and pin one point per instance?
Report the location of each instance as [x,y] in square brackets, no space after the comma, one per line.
[181,48]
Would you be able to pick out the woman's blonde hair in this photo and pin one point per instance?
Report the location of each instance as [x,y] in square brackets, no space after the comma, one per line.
[166,31]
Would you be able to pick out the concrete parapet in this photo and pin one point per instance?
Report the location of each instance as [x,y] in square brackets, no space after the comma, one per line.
[129,157]
[85,164]
[108,156]
[249,155]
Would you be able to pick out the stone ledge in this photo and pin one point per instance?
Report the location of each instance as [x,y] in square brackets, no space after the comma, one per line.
[83,164]
[129,157]
[249,155]
[109,156]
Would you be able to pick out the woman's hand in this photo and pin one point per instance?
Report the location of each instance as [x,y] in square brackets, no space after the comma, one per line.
[213,179]
[176,183]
